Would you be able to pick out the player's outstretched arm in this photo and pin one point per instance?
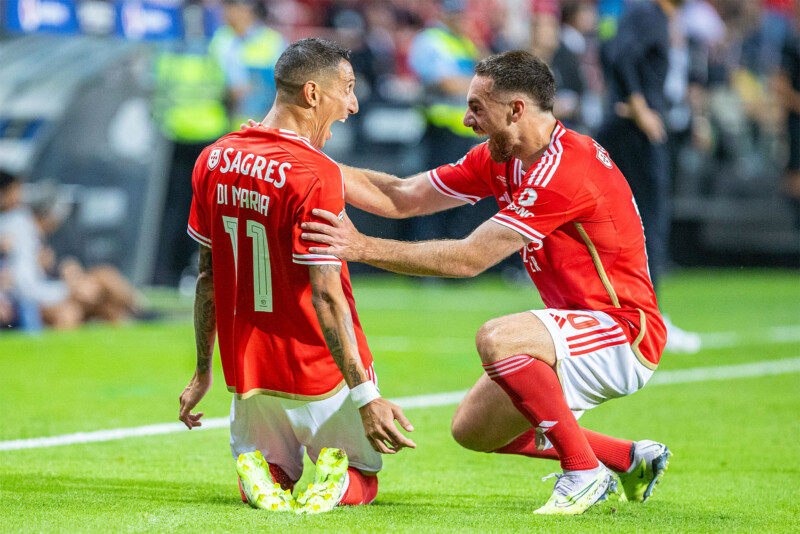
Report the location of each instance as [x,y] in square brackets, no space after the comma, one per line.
[389,196]
[333,312]
[462,258]
[205,331]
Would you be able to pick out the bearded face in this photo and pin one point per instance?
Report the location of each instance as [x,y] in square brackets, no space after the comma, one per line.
[489,114]
[500,146]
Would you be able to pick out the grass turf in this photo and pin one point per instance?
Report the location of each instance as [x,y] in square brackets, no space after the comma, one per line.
[734,441]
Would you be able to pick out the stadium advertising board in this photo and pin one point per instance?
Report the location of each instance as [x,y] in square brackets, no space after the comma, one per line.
[131,19]
[51,16]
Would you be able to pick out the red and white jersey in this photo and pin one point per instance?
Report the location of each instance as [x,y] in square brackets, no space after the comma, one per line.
[252,190]
[586,248]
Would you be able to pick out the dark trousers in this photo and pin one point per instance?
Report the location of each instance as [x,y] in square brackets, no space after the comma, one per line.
[175,247]
[646,168]
[793,136]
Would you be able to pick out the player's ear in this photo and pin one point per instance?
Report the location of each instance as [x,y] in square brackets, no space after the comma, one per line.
[311,93]
[517,109]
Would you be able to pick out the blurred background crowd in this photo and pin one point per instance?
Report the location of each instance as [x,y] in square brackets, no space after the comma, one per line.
[104,106]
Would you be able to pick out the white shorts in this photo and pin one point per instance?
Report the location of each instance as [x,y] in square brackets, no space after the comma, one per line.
[282,428]
[595,362]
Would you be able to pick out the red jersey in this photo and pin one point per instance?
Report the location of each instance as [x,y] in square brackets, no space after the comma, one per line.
[252,190]
[586,249]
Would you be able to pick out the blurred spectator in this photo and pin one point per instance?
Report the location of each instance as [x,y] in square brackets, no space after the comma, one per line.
[573,63]
[34,296]
[545,29]
[368,31]
[443,57]
[699,48]
[637,61]
[6,311]
[247,50]
[75,295]
[777,20]
[788,88]
[101,291]
[634,133]
[7,308]
[489,24]
[377,55]
[188,107]
[608,13]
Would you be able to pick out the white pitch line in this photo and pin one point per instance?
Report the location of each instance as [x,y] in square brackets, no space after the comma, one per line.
[453,345]
[773,335]
[662,378]
[784,334]
[726,372]
[107,435]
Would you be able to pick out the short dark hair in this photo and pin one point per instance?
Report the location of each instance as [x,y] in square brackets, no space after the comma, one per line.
[306,59]
[7,178]
[520,71]
[569,9]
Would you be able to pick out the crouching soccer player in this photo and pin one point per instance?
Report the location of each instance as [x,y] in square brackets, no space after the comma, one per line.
[567,209]
[292,348]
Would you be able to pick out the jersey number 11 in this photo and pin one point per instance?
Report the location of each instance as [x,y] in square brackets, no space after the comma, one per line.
[262,276]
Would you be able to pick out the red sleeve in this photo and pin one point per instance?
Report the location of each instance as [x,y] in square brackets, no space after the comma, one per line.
[324,193]
[543,205]
[467,179]
[199,224]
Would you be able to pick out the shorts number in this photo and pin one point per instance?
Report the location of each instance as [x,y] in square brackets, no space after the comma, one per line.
[262,274]
[579,321]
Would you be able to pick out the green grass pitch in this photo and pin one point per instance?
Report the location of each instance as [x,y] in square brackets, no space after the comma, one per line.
[736,466]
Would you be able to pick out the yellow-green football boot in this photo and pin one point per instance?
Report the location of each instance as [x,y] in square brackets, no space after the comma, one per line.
[258,487]
[330,483]
[577,491]
[650,460]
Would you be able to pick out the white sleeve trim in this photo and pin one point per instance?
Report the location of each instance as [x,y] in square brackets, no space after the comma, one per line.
[194,234]
[317,262]
[518,227]
[310,257]
[439,185]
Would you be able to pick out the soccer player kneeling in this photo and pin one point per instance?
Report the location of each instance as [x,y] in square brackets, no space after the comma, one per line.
[292,348]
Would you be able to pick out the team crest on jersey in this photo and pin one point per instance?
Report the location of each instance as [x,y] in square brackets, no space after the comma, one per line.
[213,158]
[603,156]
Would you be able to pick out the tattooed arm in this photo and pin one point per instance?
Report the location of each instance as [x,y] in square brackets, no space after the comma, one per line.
[336,322]
[205,331]
[205,320]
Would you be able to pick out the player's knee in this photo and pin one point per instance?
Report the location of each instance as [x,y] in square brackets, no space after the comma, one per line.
[488,341]
[464,434]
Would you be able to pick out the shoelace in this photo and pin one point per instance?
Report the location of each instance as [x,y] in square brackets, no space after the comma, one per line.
[562,482]
[551,475]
